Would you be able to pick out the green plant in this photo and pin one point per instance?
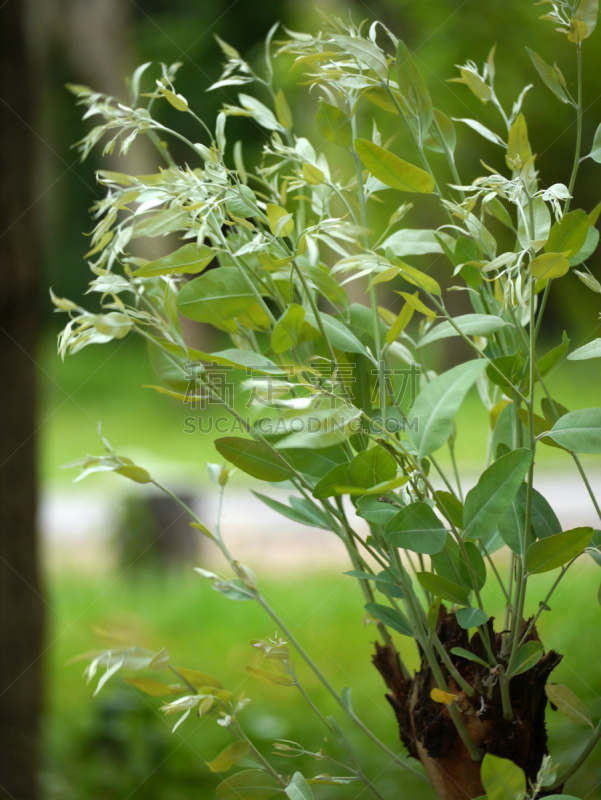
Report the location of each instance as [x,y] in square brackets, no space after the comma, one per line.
[344,405]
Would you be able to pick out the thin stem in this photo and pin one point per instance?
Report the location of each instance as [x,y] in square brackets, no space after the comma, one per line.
[578,130]
[579,761]
[373,296]
[333,691]
[522,580]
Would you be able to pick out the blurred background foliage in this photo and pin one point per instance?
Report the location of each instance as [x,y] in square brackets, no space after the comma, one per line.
[118,746]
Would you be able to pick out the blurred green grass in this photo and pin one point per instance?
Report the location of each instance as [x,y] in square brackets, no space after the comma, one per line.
[105,384]
[118,745]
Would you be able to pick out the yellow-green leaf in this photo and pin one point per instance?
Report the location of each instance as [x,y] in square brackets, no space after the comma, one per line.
[567,702]
[177,100]
[155,688]
[578,30]
[392,170]
[228,757]
[282,110]
[312,175]
[188,259]
[549,265]
[333,124]
[400,323]
[269,677]
[417,304]
[518,146]
[198,679]
[274,215]
[419,278]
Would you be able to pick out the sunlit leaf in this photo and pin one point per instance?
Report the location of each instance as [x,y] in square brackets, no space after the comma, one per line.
[570,705]
[392,170]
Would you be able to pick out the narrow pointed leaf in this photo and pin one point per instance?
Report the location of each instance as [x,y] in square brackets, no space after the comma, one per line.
[437,404]
[493,494]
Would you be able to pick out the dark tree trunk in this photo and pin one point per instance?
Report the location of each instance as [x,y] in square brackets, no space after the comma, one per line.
[426,728]
[20,601]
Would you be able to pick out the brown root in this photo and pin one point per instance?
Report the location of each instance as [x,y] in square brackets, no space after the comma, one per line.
[426,727]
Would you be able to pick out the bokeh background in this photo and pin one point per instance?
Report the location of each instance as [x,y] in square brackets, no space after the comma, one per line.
[79,563]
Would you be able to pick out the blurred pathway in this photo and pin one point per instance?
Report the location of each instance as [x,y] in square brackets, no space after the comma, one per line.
[78,523]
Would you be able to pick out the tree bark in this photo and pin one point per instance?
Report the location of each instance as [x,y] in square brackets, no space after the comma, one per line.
[426,727]
[21,614]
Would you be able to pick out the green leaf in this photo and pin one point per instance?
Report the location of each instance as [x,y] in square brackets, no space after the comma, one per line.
[550,359]
[287,329]
[269,677]
[502,779]
[176,100]
[254,458]
[554,551]
[298,788]
[241,201]
[327,486]
[188,259]
[536,235]
[462,653]
[229,757]
[527,656]
[471,617]
[512,524]
[370,508]
[590,350]
[413,88]
[282,109]
[494,492]
[518,146]
[216,296]
[450,506]
[392,170]
[155,688]
[567,702]
[200,680]
[587,13]
[316,463]
[548,74]
[384,581]
[441,136]
[341,338]
[259,112]
[334,125]
[452,565]
[320,428]
[579,431]
[469,324]
[549,266]
[568,234]
[418,278]
[587,249]
[135,473]
[595,153]
[437,404]
[443,587]
[413,242]
[366,52]
[251,784]
[313,520]
[390,617]
[167,221]
[417,528]
[281,223]
[371,467]
[433,613]
[544,519]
